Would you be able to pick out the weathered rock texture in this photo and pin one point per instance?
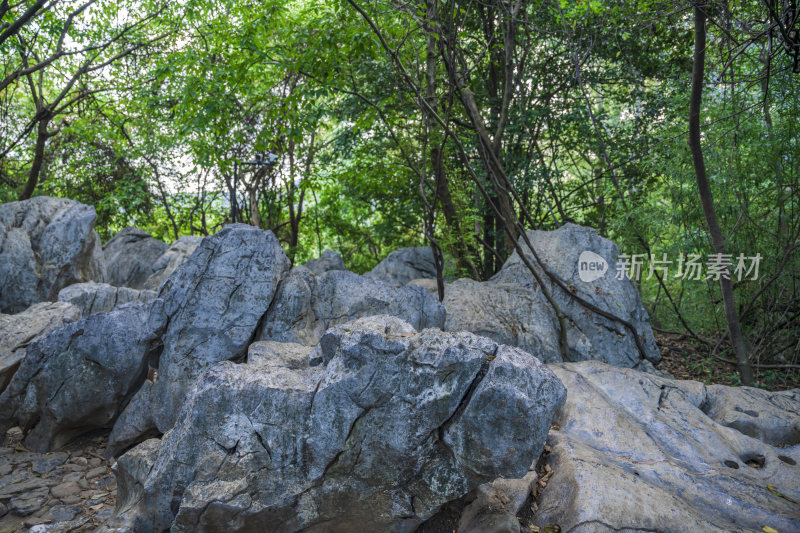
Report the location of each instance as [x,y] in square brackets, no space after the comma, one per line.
[91,297]
[306,305]
[636,452]
[404,265]
[510,308]
[389,426]
[19,331]
[496,504]
[329,260]
[77,378]
[45,245]
[130,257]
[214,303]
[176,255]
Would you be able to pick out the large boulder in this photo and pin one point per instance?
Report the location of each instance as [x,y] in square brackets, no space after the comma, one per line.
[214,303]
[635,452]
[306,305]
[511,308]
[78,378]
[45,245]
[130,256]
[404,265]
[176,255]
[19,331]
[387,427]
[329,260]
[91,297]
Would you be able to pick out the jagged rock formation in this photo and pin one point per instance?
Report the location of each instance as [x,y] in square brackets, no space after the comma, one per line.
[635,452]
[387,427]
[404,265]
[329,260]
[510,308]
[46,244]
[19,331]
[176,255]
[214,303]
[130,256]
[91,297]
[77,378]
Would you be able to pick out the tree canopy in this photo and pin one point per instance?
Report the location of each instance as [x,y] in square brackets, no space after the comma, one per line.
[442,123]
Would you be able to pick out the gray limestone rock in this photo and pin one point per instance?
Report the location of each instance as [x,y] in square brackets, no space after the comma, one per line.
[306,305]
[512,309]
[214,304]
[130,256]
[91,297]
[636,452]
[79,377]
[329,260]
[46,244]
[176,255]
[386,427]
[404,265]
[19,331]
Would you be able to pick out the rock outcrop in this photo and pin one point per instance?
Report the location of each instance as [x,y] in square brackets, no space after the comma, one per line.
[404,265]
[77,378]
[635,452]
[214,304]
[306,305]
[19,331]
[389,425]
[329,260]
[510,308]
[176,255]
[45,245]
[130,256]
[91,297]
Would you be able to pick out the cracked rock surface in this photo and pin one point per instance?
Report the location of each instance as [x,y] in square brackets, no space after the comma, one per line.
[635,452]
[386,426]
[46,244]
[77,378]
[511,308]
[213,304]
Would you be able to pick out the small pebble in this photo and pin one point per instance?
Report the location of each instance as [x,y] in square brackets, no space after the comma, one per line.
[65,489]
[96,472]
[71,500]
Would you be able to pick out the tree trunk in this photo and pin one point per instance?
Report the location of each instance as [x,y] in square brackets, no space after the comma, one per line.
[706,199]
[38,160]
[255,215]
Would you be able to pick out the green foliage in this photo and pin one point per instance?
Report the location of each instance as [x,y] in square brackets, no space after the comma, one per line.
[595,131]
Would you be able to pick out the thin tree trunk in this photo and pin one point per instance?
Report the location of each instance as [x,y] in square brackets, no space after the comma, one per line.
[255,215]
[706,199]
[38,160]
